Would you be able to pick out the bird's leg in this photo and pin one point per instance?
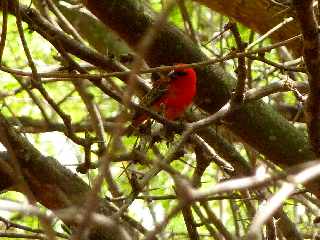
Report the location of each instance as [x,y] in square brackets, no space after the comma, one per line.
[169,133]
[181,127]
[145,129]
[145,132]
[162,109]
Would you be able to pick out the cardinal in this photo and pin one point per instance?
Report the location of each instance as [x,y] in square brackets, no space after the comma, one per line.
[170,95]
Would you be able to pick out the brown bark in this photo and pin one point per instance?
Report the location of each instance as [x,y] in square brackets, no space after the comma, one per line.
[311,56]
[96,33]
[260,16]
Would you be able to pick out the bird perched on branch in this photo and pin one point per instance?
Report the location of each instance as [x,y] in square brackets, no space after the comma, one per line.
[170,95]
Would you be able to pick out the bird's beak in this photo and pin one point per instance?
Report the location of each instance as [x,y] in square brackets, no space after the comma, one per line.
[172,74]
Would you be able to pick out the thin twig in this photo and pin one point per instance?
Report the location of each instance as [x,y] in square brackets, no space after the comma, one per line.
[159,227]
[10,224]
[187,20]
[36,81]
[4,27]
[271,31]
[64,21]
[288,188]
[216,221]
[241,70]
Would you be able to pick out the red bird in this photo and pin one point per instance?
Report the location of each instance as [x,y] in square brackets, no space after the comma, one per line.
[171,95]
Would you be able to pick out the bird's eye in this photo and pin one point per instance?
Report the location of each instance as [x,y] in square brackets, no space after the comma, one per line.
[181,73]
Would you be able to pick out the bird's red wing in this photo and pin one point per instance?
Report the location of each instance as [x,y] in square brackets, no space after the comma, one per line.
[154,95]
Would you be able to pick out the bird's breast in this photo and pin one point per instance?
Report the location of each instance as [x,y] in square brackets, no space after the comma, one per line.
[181,94]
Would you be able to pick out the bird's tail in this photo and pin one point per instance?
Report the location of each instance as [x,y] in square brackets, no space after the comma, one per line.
[136,122]
[139,119]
